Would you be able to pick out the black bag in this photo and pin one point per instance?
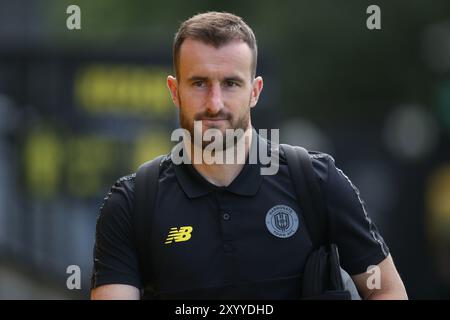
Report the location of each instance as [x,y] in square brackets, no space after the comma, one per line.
[322,274]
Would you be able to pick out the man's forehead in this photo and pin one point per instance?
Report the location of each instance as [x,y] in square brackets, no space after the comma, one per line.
[199,57]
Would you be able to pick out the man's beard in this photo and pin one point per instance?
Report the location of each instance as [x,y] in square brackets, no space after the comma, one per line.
[235,124]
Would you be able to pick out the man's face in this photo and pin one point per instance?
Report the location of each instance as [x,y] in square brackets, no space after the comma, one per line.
[215,85]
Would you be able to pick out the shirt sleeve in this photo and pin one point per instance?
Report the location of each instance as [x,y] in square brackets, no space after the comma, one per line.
[115,257]
[358,240]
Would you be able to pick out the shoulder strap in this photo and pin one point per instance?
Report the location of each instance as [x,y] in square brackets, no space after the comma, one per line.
[145,192]
[308,191]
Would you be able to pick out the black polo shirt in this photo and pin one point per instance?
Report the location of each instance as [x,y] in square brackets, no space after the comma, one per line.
[231,242]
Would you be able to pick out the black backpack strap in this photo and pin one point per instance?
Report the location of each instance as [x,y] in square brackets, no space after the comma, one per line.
[308,192]
[145,191]
[322,277]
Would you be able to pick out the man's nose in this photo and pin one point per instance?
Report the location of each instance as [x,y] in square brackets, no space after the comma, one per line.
[214,101]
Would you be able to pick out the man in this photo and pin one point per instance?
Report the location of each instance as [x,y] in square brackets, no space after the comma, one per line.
[229,249]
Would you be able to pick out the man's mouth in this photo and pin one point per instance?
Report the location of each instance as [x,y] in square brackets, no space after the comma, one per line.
[212,120]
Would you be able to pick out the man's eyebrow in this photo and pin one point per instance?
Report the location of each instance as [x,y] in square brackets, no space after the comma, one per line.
[229,78]
[196,78]
[235,79]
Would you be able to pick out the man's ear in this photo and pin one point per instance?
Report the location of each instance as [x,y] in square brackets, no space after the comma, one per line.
[172,84]
[257,87]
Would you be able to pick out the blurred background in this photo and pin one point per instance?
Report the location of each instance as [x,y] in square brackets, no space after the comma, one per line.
[81,108]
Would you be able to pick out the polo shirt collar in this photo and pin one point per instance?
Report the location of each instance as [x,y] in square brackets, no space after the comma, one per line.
[247,182]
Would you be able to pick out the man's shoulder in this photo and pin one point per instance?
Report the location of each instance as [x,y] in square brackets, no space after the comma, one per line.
[121,190]
[316,156]
[322,162]
[165,161]
[320,156]
[128,181]
[129,178]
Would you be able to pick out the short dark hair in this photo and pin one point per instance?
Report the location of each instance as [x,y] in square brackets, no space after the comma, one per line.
[217,29]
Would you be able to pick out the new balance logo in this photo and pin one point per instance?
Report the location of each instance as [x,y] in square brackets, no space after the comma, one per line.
[178,235]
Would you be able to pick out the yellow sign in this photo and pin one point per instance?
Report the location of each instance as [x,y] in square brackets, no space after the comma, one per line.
[124,89]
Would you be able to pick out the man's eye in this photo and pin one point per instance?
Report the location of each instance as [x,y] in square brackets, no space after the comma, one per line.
[198,83]
[231,84]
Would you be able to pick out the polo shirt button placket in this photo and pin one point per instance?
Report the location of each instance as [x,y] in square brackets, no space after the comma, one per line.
[228,247]
[226,216]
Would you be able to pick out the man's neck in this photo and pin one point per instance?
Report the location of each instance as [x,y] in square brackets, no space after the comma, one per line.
[224,174]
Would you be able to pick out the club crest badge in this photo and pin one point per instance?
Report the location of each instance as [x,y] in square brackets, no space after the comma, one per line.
[282,221]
